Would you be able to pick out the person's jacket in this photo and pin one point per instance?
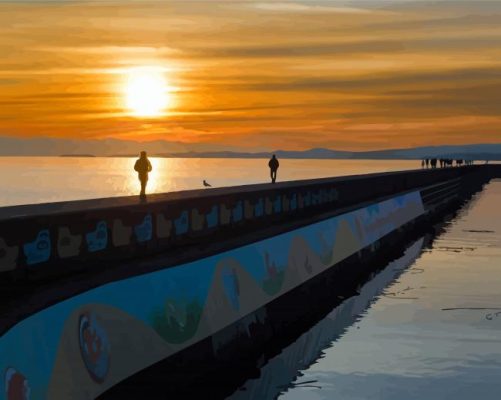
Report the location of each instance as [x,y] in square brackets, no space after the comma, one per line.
[142,166]
[273,164]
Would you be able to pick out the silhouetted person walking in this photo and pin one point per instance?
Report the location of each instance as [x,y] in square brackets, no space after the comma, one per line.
[273,164]
[143,166]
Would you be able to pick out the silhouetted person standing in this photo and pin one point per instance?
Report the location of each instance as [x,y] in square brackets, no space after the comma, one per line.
[143,166]
[273,164]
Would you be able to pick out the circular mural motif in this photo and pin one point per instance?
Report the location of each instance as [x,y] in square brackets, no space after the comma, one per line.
[231,286]
[16,385]
[94,347]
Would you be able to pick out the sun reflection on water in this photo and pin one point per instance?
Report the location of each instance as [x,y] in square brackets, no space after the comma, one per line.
[74,178]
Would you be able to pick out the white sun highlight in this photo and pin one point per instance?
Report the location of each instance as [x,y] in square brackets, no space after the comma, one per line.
[146,92]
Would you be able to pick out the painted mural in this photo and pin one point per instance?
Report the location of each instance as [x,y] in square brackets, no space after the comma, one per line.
[94,346]
[77,348]
[38,250]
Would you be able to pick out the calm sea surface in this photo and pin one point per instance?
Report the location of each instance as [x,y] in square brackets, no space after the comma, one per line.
[427,327]
[28,180]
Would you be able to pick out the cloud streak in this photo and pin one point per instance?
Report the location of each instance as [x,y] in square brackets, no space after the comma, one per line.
[291,74]
[303,7]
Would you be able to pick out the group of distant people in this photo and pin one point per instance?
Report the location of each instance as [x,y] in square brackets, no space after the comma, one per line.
[444,162]
[143,167]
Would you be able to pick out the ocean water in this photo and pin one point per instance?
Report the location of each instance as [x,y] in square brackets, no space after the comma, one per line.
[428,326]
[29,180]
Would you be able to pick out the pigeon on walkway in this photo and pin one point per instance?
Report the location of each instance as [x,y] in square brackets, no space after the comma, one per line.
[206,184]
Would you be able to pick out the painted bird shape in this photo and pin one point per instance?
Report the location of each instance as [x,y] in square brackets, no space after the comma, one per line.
[206,184]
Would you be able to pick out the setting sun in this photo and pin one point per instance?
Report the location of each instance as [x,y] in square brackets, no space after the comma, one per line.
[146,92]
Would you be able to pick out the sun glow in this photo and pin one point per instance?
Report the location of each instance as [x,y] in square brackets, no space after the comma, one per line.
[146,92]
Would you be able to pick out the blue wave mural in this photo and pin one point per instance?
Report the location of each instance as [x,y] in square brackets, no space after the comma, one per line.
[172,303]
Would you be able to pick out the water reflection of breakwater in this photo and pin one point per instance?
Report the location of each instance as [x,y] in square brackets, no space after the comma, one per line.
[443,343]
[276,376]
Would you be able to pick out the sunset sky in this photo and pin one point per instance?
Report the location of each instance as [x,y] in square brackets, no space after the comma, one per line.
[348,75]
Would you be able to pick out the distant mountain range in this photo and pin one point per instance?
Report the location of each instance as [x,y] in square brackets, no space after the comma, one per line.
[10,146]
[475,151]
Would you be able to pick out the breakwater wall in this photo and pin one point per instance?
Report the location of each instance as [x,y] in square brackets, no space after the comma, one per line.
[60,238]
[97,291]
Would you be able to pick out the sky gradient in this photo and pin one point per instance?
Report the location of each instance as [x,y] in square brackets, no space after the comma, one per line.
[257,75]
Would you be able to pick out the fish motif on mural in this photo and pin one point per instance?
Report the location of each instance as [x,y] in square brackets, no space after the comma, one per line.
[39,250]
[181,223]
[212,217]
[293,202]
[98,239]
[238,212]
[94,347]
[144,230]
[259,208]
[277,205]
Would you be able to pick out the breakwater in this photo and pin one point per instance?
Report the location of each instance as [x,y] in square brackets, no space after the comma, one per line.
[101,290]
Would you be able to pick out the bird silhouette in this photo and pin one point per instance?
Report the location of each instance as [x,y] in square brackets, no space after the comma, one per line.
[206,184]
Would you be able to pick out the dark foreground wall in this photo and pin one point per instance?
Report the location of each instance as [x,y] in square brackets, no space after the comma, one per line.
[108,328]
